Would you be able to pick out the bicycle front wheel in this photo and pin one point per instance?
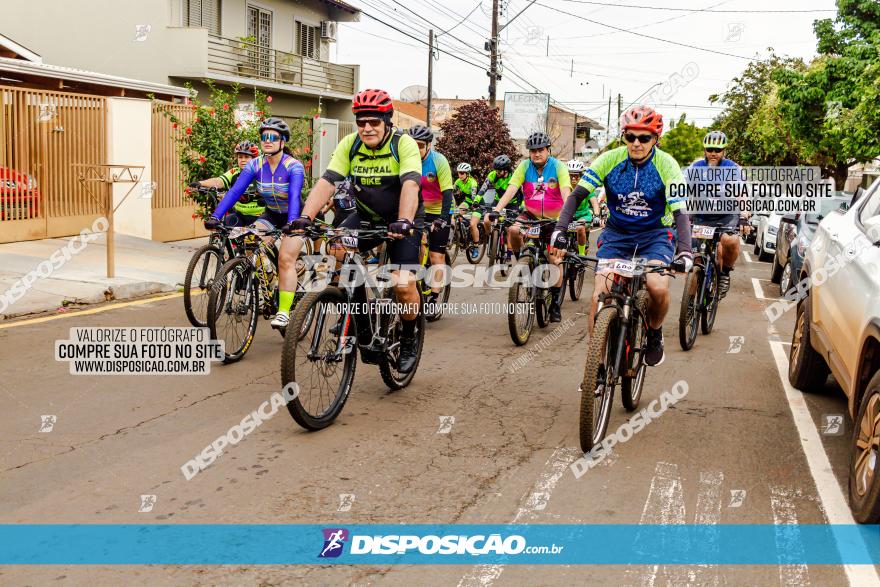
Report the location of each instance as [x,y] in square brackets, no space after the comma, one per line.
[707,318]
[521,302]
[200,274]
[688,314]
[597,388]
[320,356]
[633,379]
[233,308]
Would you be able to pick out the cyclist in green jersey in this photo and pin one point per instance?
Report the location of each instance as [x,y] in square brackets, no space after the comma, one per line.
[466,186]
[586,210]
[497,181]
[386,172]
[248,209]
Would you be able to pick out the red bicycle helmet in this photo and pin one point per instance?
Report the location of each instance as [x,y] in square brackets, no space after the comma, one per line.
[642,118]
[372,101]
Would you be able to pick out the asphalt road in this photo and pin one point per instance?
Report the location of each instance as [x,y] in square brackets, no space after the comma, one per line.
[733,451]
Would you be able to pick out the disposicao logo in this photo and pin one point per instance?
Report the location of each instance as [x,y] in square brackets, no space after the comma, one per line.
[334,540]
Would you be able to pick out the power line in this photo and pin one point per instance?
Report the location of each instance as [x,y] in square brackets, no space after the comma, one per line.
[446,32]
[363,32]
[464,18]
[647,36]
[667,8]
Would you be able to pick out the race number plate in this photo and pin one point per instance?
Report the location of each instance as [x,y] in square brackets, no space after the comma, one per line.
[621,267]
[703,231]
[534,231]
[350,242]
[574,225]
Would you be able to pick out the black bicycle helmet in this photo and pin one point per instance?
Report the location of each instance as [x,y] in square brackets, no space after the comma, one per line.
[247,148]
[538,140]
[421,133]
[277,125]
[502,163]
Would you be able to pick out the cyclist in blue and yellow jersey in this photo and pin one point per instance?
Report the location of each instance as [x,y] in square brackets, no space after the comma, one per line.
[645,213]
[714,145]
[586,210]
[496,184]
[279,180]
[437,199]
[248,208]
[386,171]
[545,186]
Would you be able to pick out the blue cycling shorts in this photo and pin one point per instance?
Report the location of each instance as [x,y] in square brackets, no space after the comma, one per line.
[654,245]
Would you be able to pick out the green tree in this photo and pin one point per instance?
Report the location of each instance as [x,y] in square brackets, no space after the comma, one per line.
[476,135]
[684,141]
[768,135]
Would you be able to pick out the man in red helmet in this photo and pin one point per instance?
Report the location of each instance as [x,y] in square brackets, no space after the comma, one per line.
[645,213]
[386,172]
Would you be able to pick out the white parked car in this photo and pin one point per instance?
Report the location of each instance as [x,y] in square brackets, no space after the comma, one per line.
[765,237]
[838,331]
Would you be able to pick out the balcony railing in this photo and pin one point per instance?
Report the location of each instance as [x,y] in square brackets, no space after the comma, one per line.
[239,58]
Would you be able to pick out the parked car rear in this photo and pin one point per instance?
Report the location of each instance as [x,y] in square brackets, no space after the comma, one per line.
[19,198]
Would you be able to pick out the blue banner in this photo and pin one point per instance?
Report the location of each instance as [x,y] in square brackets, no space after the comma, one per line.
[277,544]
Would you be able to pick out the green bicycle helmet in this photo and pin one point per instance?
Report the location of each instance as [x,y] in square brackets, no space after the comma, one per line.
[715,139]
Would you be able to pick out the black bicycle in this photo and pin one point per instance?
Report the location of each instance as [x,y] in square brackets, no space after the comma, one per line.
[203,267]
[333,323]
[615,354]
[576,272]
[461,239]
[700,299]
[529,295]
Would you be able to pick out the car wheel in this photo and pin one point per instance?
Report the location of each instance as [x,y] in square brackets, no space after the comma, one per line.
[757,250]
[775,269]
[864,469]
[807,369]
[785,279]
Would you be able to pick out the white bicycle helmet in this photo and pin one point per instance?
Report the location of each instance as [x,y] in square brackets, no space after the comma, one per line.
[575,166]
[464,168]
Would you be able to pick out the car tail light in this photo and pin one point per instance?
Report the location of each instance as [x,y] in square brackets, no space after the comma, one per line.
[32,183]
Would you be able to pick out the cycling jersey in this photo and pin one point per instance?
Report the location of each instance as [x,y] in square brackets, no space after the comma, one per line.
[468,189]
[584,211]
[542,192]
[638,195]
[377,174]
[436,184]
[499,184]
[281,190]
[696,173]
[248,204]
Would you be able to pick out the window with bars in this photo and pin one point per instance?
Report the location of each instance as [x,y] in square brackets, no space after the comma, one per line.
[202,13]
[307,38]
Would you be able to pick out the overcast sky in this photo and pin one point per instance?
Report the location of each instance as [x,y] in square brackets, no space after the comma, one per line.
[605,61]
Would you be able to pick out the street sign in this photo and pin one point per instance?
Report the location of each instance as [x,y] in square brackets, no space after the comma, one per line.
[526,113]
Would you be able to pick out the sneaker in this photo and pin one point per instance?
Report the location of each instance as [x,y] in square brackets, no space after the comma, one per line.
[372,260]
[555,312]
[281,320]
[654,350]
[723,285]
[408,357]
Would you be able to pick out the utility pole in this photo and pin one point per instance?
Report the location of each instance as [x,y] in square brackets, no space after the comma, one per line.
[493,55]
[430,73]
[608,121]
[619,111]
[548,45]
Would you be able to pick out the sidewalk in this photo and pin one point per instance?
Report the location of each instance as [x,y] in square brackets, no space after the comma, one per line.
[142,267]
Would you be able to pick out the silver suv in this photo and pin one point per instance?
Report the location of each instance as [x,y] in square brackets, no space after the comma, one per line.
[838,331]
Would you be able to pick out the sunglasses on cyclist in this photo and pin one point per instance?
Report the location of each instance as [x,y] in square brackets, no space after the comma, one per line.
[372,122]
[268,137]
[643,139]
[713,150]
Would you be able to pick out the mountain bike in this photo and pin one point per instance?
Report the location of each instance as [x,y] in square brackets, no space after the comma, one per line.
[244,288]
[529,296]
[576,272]
[462,240]
[203,267]
[700,299]
[498,250]
[330,326]
[434,311]
[615,354]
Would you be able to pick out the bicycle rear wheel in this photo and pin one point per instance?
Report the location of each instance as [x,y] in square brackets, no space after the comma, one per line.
[707,317]
[313,358]
[576,283]
[688,315]
[454,243]
[597,388]
[633,379]
[233,308]
[521,302]
[200,274]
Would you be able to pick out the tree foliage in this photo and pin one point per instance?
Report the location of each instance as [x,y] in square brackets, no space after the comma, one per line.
[684,141]
[476,135]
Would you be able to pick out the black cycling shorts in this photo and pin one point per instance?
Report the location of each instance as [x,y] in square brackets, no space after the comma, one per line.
[403,251]
[437,239]
[276,219]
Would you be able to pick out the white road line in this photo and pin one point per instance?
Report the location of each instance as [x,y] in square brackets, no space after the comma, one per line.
[748,257]
[665,505]
[708,513]
[759,291]
[535,500]
[830,495]
[788,538]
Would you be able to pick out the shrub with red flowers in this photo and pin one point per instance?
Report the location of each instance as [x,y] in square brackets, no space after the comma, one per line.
[206,140]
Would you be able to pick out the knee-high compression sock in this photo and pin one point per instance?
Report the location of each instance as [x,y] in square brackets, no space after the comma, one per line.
[285,301]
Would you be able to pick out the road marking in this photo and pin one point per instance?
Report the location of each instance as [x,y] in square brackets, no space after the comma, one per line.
[759,291]
[535,500]
[91,311]
[788,538]
[830,495]
[665,505]
[748,257]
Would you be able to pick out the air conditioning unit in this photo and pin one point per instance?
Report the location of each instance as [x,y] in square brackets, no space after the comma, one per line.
[328,30]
